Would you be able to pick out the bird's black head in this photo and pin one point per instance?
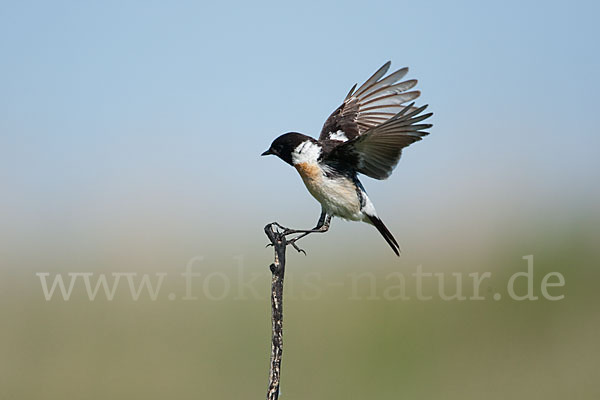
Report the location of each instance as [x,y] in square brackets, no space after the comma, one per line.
[285,144]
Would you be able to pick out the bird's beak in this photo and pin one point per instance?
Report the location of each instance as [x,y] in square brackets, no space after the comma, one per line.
[266,153]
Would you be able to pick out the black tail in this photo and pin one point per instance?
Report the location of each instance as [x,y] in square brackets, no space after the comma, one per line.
[385,232]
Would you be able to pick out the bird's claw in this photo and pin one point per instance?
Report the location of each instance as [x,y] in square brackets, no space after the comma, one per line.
[284,231]
[283,228]
[295,246]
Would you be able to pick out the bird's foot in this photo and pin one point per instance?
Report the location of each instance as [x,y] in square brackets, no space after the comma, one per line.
[292,243]
[295,246]
[283,232]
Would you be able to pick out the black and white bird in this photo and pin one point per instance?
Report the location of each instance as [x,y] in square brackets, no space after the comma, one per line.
[366,135]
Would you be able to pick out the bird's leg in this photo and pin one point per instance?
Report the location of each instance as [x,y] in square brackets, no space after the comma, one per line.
[323,220]
[322,227]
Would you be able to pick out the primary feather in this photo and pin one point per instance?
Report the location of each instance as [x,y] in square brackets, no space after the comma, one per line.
[373,103]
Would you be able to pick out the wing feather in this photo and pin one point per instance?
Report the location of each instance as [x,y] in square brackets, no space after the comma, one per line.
[377,151]
[374,78]
[377,100]
[386,82]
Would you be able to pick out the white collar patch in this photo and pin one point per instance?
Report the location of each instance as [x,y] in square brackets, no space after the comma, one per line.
[339,135]
[306,152]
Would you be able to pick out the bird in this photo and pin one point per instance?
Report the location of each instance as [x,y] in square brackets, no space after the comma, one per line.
[364,135]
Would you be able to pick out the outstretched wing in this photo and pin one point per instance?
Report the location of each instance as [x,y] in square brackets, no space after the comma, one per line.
[373,103]
[377,152]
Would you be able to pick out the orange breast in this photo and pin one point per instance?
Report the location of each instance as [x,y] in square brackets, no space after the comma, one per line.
[309,171]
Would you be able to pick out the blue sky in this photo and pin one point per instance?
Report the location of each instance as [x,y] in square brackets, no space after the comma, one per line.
[112,107]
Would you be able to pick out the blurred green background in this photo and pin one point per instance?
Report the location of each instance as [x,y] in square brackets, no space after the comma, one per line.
[129,143]
[341,341]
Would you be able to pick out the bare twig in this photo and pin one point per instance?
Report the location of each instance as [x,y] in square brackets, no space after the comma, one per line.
[277,235]
[279,243]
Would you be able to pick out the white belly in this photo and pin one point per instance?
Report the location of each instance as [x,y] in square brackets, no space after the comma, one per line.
[337,196]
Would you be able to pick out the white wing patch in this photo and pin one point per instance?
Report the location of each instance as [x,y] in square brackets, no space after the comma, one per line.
[306,152]
[339,135]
